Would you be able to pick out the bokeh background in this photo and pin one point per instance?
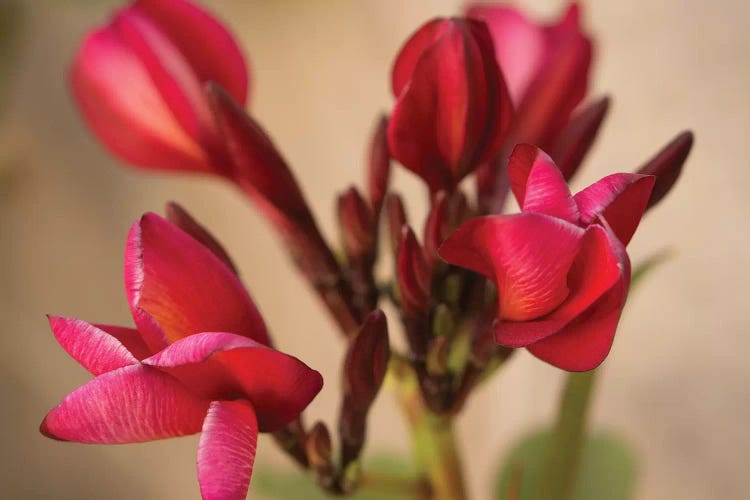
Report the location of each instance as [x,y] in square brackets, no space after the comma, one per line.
[676,383]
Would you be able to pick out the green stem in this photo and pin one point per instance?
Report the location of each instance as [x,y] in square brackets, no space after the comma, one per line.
[435,449]
[567,438]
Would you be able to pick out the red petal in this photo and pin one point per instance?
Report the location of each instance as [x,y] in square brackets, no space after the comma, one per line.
[183,286]
[412,273]
[93,348]
[620,198]
[538,184]
[378,166]
[208,46]
[226,451]
[595,271]
[666,165]
[131,120]
[182,219]
[420,41]
[129,405]
[515,251]
[222,365]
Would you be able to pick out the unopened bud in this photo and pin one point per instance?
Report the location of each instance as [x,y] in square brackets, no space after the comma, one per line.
[367,361]
[667,166]
[396,219]
[412,273]
[436,228]
[576,138]
[378,166]
[318,446]
[357,224]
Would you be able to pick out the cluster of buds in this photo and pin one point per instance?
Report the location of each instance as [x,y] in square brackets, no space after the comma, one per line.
[491,95]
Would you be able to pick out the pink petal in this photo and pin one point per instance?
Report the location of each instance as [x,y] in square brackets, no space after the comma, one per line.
[94,349]
[222,365]
[515,251]
[182,219]
[130,338]
[183,286]
[208,46]
[519,45]
[131,120]
[620,198]
[226,451]
[169,70]
[129,405]
[595,271]
[538,184]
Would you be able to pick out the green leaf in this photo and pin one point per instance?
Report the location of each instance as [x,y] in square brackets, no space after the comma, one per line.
[607,469]
[386,477]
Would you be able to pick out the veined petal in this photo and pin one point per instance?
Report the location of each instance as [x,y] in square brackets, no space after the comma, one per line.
[595,271]
[129,405]
[208,46]
[94,349]
[621,199]
[222,365]
[130,338]
[515,251]
[412,50]
[539,185]
[131,120]
[226,450]
[183,286]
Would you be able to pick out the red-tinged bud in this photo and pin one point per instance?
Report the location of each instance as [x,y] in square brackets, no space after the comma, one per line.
[182,219]
[138,82]
[367,361]
[318,446]
[357,224]
[667,166]
[397,219]
[378,166]
[453,107]
[437,227]
[575,140]
[412,273]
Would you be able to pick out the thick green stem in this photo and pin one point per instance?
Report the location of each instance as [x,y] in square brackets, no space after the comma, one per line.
[435,449]
[567,438]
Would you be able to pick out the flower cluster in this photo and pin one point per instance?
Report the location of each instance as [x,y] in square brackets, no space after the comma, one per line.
[492,95]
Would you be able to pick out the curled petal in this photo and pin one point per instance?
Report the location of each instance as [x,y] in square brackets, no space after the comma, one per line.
[222,365]
[515,252]
[130,338]
[183,286]
[96,350]
[596,270]
[621,199]
[129,405]
[538,184]
[226,451]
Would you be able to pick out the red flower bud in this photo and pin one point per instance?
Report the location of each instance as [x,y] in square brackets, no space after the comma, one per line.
[576,138]
[412,273]
[318,446]
[396,219]
[667,166]
[139,83]
[378,166]
[453,108]
[436,229]
[367,361]
[357,224]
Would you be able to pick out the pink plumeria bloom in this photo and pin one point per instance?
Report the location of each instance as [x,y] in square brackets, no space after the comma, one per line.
[139,82]
[199,361]
[560,266]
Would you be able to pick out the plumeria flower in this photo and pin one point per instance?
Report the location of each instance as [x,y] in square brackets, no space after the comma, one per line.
[198,361]
[560,266]
[139,82]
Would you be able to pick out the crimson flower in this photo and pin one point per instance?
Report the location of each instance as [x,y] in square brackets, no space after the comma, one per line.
[453,108]
[560,266]
[139,82]
[199,361]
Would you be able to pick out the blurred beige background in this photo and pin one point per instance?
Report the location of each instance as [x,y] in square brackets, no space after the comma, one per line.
[676,383]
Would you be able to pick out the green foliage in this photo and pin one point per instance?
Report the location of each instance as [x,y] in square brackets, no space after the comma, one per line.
[386,477]
[607,469]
